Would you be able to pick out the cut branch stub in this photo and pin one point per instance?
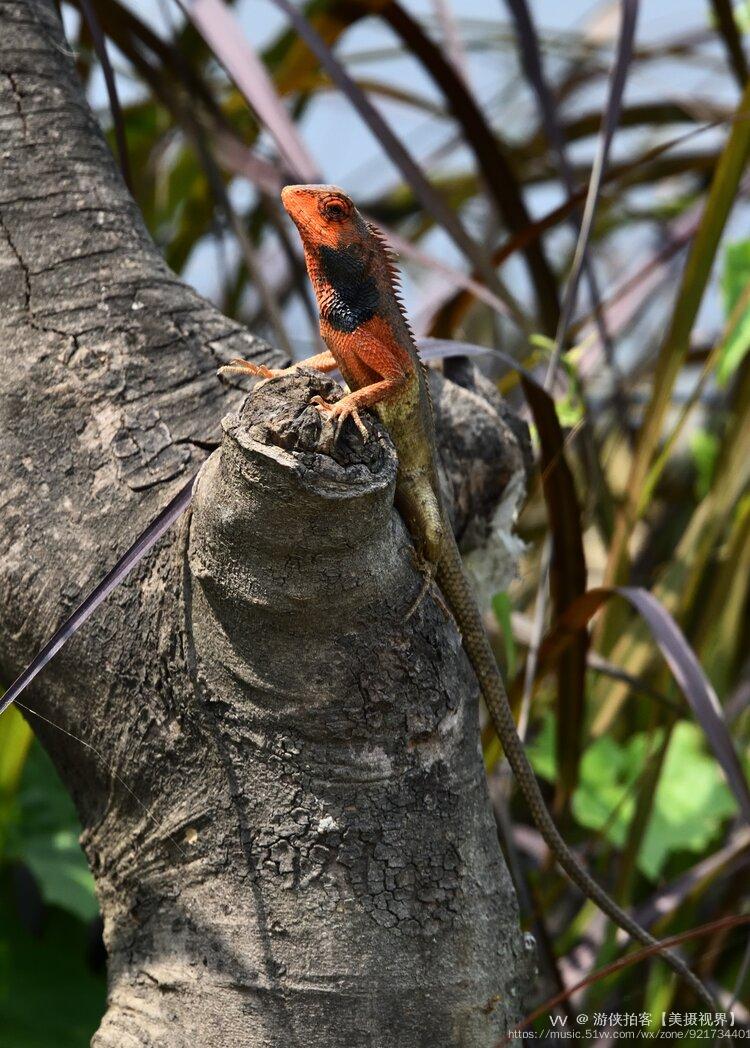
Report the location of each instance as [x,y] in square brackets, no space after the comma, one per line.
[349,736]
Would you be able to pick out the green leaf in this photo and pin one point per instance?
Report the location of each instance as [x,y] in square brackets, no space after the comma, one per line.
[570,408]
[540,341]
[42,833]
[604,797]
[691,803]
[541,750]
[58,864]
[15,739]
[705,448]
[48,993]
[735,280]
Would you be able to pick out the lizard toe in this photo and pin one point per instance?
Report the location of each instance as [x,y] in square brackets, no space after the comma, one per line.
[323,406]
[341,411]
[355,416]
[245,367]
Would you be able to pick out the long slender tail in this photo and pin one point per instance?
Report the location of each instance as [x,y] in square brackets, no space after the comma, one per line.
[455,586]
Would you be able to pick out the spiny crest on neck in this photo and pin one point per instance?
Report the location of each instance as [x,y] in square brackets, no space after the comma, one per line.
[390,257]
[391,260]
[391,265]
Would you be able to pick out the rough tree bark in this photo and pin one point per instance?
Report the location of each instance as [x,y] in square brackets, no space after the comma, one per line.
[282,798]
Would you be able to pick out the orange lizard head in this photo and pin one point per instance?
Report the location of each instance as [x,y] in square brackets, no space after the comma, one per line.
[324,215]
[345,259]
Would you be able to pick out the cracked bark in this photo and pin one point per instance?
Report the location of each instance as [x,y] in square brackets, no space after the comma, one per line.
[282,799]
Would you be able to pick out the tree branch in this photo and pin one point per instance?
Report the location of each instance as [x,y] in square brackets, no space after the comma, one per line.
[282,800]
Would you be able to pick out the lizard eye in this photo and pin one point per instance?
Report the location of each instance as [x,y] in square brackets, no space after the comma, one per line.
[335,208]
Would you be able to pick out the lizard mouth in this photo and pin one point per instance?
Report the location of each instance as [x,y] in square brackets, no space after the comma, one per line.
[290,193]
[299,204]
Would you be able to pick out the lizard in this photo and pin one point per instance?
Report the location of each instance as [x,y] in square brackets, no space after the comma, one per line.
[364,325]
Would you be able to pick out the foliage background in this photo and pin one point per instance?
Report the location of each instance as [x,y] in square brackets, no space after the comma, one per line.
[644,474]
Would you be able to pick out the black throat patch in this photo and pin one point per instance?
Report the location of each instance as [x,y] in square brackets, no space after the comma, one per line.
[353,298]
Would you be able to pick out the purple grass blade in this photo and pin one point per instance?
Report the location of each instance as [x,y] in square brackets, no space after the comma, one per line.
[531,60]
[402,246]
[238,158]
[695,686]
[118,121]
[493,162]
[411,171]
[145,542]
[445,348]
[609,124]
[219,27]
[454,48]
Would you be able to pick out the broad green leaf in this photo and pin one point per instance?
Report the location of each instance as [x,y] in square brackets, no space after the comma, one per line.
[15,739]
[604,797]
[735,280]
[691,803]
[42,832]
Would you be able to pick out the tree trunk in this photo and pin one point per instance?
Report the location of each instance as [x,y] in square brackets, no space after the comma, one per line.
[283,802]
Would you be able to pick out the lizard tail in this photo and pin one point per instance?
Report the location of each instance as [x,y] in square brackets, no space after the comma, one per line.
[455,586]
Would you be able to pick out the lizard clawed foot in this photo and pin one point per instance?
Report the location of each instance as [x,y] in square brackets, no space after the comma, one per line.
[245,367]
[339,413]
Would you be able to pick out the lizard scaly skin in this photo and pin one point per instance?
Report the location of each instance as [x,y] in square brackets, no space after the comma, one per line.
[369,340]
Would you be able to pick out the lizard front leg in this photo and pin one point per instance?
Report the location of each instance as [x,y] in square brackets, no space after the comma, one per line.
[321,362]
[365,397]
[372,368]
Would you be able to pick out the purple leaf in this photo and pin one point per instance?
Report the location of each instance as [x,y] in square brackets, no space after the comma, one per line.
[224,35]
[695,686]
[531,58]
[609,124]
[493,162]
[100,47]
[411,171]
